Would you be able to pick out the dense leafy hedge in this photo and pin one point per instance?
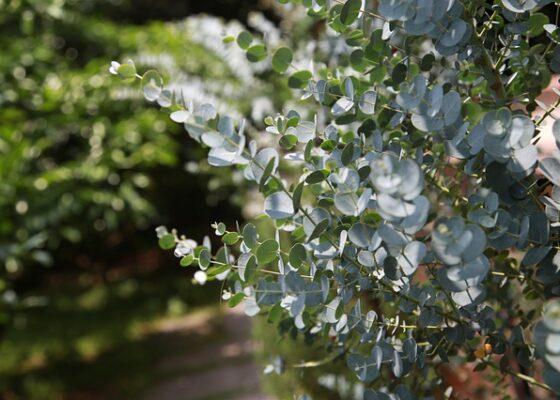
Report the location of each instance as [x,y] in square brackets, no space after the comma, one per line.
[417,233]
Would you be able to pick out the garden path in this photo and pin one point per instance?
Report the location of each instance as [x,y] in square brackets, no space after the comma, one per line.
[222,369]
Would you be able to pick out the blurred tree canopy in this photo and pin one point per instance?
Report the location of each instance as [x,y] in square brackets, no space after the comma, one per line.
[77,166]
[87,170]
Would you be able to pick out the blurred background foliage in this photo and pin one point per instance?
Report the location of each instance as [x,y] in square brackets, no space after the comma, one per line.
[76,163]
[87,170]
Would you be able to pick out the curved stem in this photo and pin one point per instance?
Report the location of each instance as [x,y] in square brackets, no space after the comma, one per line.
[526,378]
[484,61]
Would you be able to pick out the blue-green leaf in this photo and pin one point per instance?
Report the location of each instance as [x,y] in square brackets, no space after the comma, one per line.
[267,251]
[279,206]
[152,85]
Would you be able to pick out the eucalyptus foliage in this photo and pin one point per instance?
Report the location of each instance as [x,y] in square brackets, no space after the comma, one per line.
[418,228]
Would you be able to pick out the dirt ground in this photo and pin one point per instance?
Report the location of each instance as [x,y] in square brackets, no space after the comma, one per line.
[221,368]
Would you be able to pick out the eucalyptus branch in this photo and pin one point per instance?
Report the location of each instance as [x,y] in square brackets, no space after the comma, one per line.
[376,201]
[485,63]
[529,379]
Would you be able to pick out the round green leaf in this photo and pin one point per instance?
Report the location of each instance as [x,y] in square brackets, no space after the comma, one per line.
[267,251]
[127,71]
[288,141]
[350,11]
[296,196]
[281,59]
[231,238]
[297,255]
[247,267]
[204,259]
[317,176]
[220,229]
[378,74]
[187,260]
[298,80]
[236,299]
[536,24]
[256,53]
[427,62]
[244,40]
[267,173]
[398,75]
[347,154]
[250,236]
[167,241]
